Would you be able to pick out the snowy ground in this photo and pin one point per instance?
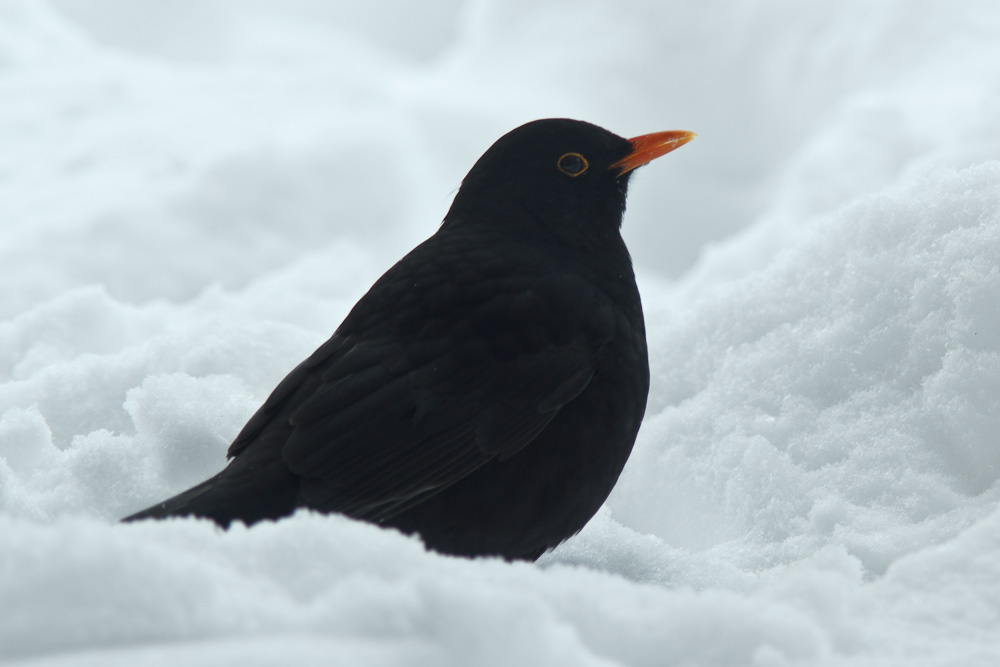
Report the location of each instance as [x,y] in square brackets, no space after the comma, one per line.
[193,194]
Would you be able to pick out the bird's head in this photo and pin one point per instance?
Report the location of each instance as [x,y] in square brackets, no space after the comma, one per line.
[567,177]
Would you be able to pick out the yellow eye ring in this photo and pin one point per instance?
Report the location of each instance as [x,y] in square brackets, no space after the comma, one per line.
[572,164]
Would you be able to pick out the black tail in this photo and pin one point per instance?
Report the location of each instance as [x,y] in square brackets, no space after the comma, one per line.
[183,504]
[241,492]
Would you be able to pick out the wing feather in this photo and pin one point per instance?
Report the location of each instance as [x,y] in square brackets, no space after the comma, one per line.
[396,407]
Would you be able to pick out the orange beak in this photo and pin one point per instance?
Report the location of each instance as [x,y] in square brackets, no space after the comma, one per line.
[648,147]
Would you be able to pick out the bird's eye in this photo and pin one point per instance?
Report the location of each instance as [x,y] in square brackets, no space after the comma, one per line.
[572,164]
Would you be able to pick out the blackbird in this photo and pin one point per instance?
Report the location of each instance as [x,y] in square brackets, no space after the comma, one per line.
[487,390]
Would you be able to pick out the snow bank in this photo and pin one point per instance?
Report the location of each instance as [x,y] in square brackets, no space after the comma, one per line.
[848,394]
[192,200]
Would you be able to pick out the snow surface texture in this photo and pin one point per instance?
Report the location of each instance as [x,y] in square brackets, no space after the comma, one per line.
[193,195]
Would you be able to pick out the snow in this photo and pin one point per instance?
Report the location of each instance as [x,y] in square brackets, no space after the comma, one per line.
[193,196]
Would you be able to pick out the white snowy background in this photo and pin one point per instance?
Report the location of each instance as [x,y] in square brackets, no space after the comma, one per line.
[193,194]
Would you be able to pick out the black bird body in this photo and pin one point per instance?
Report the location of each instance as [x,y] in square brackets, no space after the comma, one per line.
[486,392]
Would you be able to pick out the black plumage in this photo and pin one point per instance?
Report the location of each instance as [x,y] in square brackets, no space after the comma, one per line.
[487,390]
